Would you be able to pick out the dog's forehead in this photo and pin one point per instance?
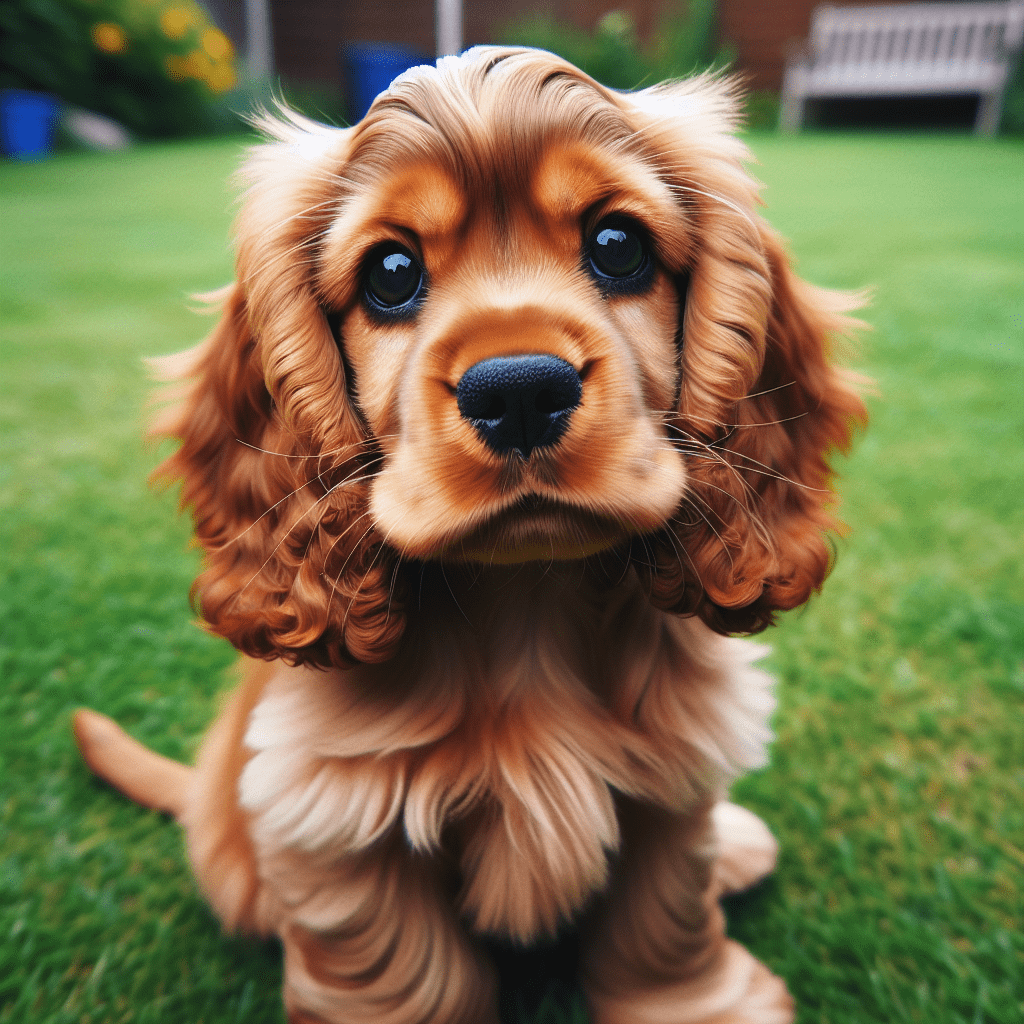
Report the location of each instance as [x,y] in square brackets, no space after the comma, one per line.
[525,126]
[421,196]
[571,177]
[434,189]
[560,185]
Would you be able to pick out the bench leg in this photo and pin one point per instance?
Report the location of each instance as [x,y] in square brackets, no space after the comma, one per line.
[791,113]
[986,121]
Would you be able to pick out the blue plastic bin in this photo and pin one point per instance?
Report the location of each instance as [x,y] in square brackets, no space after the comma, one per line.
[27,120]
[369,68]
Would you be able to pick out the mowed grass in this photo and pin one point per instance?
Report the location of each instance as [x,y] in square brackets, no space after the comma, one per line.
[896,780]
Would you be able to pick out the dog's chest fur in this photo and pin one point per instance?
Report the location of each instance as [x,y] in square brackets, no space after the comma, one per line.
[518,782]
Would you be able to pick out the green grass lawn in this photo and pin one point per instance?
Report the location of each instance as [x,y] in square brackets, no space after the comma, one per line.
[896,782]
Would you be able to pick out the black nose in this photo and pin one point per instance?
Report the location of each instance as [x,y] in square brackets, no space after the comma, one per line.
[519,402]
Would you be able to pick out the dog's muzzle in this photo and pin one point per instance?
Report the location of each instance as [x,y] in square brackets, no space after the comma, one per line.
[518,403]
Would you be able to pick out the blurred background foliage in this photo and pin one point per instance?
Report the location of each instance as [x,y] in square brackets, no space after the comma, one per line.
[1013,102]
[164,68]
[684,43]
[159,67]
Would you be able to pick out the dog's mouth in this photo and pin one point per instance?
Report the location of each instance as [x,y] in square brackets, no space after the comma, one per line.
[537,529]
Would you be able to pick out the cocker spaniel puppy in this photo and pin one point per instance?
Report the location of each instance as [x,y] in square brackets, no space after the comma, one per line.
[515,412]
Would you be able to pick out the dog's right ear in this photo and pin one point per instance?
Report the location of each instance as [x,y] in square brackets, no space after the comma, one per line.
[274,459]
[218,405]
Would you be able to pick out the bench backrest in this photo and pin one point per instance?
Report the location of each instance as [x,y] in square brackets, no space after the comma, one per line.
[916,34]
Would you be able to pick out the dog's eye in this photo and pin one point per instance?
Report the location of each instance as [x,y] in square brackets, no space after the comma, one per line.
[394,278]
[617,250]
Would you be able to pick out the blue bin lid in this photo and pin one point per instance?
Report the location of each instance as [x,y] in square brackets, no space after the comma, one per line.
[371,67]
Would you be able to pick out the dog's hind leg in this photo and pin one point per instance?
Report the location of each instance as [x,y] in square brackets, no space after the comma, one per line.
[217,829]
[660,954]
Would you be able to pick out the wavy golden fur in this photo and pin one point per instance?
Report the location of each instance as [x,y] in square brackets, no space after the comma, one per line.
[490,690]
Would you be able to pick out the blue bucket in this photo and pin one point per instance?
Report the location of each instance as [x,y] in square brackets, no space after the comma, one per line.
[369,68]
[27,120]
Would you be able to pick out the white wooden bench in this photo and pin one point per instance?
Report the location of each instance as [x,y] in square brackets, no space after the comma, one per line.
[906,50]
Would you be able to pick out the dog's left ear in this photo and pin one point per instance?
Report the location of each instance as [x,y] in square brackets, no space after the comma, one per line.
[762,405]
[766,495]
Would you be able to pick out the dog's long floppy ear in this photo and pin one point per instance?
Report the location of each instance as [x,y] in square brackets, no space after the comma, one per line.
[273,457]
[762,407]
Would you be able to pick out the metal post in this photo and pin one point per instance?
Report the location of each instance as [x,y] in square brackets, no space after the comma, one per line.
[259,38]
[448,26]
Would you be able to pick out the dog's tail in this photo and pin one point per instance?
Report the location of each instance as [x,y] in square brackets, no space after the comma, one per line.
[146,777]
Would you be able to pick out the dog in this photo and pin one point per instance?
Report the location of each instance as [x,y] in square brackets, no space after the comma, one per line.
[515,413]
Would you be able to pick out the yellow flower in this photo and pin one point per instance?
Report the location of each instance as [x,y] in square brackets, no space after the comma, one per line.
[222,78]
[109,38]
[175,22]
[194,65]
[199,65]
[175,67]
[616,23]
[217,45]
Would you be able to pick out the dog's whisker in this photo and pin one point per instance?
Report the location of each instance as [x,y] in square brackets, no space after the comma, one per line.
[740,479]
[263,515]
[393,584]
[695,448]
[350,479]
[277,547]
[458,604]
[359,589]
[309,455]
[768,471]
[287,534]
[355,548]
[749,488]
[735,208]
[680,548]
[264,268]
[303,214]
[354,521]
[768,391]
[676,415]
[755,520]
[691,496]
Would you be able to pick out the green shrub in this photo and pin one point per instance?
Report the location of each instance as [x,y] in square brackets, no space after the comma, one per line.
[684,43]
[762,110]
[322,101]
[158,67]
[1013,101]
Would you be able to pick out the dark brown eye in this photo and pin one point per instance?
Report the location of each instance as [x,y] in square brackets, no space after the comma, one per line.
[617,250]
[394,278]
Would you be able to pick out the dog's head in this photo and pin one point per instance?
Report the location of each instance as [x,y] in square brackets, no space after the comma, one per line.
[511,315]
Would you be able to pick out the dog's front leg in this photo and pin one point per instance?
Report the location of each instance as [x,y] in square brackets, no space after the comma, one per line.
[374,940]
[660,954]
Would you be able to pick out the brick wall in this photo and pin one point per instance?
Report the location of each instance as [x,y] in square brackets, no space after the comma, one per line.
[309,34]
[761,31]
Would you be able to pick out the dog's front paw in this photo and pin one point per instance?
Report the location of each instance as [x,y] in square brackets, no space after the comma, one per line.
[747,851]
[738,989]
